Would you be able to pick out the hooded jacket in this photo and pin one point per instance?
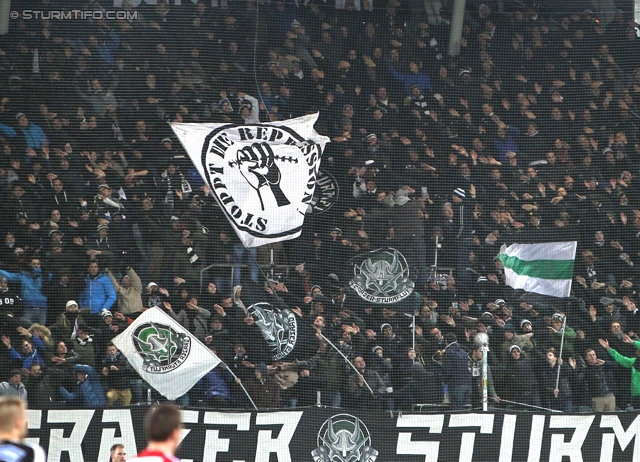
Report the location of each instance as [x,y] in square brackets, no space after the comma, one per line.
[90,392]
[455,366]
[98,294]
[9,389]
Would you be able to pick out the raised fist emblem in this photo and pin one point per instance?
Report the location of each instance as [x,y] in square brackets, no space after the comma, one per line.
[257,166]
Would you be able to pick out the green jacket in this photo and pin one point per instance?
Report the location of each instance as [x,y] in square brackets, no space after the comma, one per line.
[555,339]
[629,362]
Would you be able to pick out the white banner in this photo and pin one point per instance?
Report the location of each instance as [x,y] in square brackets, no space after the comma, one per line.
[263,176]
[166,355]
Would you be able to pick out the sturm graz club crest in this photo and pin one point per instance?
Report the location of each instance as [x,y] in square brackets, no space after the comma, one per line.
[382,277]
[344,438]
[279,328]
[162,348]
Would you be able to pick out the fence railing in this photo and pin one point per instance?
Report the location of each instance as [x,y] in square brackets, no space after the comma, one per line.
[277,271]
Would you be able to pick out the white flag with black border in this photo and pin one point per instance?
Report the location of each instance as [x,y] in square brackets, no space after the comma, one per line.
[262,175]
[166,355]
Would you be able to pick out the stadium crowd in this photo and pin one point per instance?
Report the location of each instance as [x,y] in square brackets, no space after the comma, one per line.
[530,134]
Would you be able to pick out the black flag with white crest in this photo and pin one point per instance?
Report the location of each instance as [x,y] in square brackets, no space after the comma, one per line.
[263,176]
[286,335]
[381,277]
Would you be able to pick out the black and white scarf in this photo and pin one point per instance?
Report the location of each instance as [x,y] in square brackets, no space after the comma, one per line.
[184,185]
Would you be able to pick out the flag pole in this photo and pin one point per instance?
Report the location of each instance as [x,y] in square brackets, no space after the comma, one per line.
[564,325]
[274,292]
[239,382]
[346,360]
[528,405]
[414,333]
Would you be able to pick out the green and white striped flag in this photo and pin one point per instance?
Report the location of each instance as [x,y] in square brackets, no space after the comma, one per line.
[541,268]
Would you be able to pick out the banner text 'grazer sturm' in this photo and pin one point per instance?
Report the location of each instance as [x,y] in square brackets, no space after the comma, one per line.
[320,434]
[263,176]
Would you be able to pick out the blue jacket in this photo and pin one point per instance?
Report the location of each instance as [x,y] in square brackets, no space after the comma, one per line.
[90,392]
[33,134]
[106,47]
[410,79]
[508,143]
[98,294]
[34,357]
[214,383]
[30,287]
[455,366]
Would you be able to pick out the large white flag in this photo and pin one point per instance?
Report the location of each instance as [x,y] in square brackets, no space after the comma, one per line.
[166,355]
[541,268]
[263,176]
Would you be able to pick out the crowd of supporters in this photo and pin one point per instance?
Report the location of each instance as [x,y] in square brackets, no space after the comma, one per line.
[529,134]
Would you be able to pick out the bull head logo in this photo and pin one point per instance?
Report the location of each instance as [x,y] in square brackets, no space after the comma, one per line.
[382,276]
[344,438]
[276,327]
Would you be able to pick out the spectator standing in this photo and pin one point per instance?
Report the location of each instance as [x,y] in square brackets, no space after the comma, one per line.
[419,389]
[629,363]
[67,325]
[27,354]
[89,392]
[98,294]
[263,388]
[326,374]
[216,388]
[475,364]
[522,381]
[129,292]
[598,382]
[83,344]
[14,386]
[218,337]
[116,371]
[99,97]
[61,364]
[456,373]
[31,290]
[30,136]
[193,318]
[555,398]
[359,394]
[40,391]
[10,307]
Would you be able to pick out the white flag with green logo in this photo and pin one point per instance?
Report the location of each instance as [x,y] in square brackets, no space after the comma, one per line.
[541,268]
[166,355]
